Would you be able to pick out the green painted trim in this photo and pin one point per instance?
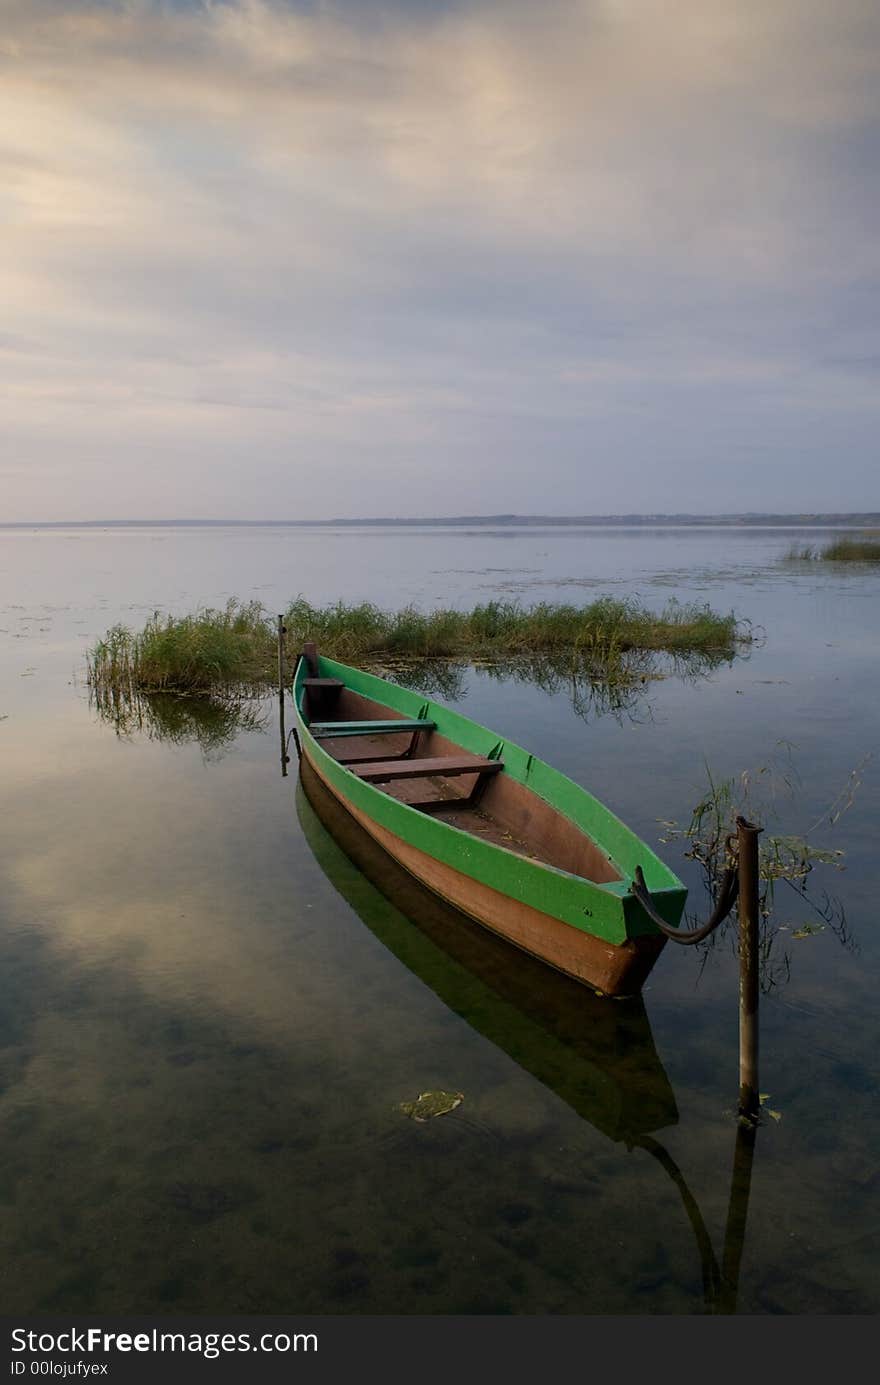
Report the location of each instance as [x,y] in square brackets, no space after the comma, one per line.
[606,911]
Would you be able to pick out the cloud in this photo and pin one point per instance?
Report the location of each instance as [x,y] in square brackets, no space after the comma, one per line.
[410,226]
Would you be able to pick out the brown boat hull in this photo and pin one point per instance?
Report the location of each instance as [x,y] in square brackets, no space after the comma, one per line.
[614,969]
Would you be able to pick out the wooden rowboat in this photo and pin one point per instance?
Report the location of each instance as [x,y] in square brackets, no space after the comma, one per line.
[490,828]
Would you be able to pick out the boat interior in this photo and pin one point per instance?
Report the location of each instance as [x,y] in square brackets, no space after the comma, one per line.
[413,763]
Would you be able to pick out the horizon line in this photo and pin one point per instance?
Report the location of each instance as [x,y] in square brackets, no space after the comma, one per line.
[801,516]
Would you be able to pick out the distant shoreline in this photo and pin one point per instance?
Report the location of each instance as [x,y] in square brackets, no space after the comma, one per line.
[852,519]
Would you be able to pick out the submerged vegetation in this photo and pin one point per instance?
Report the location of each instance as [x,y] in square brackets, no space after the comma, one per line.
[784,859]
[863,548]
[216,651]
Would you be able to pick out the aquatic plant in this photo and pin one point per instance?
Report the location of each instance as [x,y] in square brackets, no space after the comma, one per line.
[859,549]
[201,653]
[604,629]
[802,553]
[784,858]
[236,647]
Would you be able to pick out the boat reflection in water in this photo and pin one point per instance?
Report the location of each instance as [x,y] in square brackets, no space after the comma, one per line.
[597,1054]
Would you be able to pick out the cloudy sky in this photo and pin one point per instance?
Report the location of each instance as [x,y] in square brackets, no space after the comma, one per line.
[307,258]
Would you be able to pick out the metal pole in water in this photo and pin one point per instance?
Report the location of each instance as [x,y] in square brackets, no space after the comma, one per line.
[282,631]
[284,755]
[749,910]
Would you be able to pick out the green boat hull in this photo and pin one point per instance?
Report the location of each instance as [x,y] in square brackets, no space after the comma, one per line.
[597,932]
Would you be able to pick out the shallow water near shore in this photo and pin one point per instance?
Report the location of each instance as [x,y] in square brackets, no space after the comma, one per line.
[211,1016]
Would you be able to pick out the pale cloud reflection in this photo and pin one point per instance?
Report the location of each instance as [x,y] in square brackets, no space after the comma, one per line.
[164,886]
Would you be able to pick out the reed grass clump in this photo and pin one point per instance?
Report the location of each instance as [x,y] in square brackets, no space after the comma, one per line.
[236,648]
[603,628]
[859,549]
[201,653]
[802,553]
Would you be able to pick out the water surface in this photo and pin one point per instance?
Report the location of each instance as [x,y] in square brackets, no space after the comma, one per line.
[209,1015]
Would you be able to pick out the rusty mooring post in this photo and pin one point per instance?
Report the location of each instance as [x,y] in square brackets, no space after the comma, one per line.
[747,836]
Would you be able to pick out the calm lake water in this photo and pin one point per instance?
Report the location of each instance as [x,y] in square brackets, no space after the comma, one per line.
[209,1015]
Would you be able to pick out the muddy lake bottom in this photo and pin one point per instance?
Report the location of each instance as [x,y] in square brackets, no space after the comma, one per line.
[211,1017]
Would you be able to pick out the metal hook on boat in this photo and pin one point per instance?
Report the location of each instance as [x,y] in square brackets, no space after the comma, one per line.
[746,866]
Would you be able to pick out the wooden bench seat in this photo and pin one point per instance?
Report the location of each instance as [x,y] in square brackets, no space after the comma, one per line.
[377,771]
[323,683]
[324,729]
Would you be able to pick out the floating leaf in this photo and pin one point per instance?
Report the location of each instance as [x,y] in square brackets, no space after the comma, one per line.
[765,1097]
[431,1104]
[807,930]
